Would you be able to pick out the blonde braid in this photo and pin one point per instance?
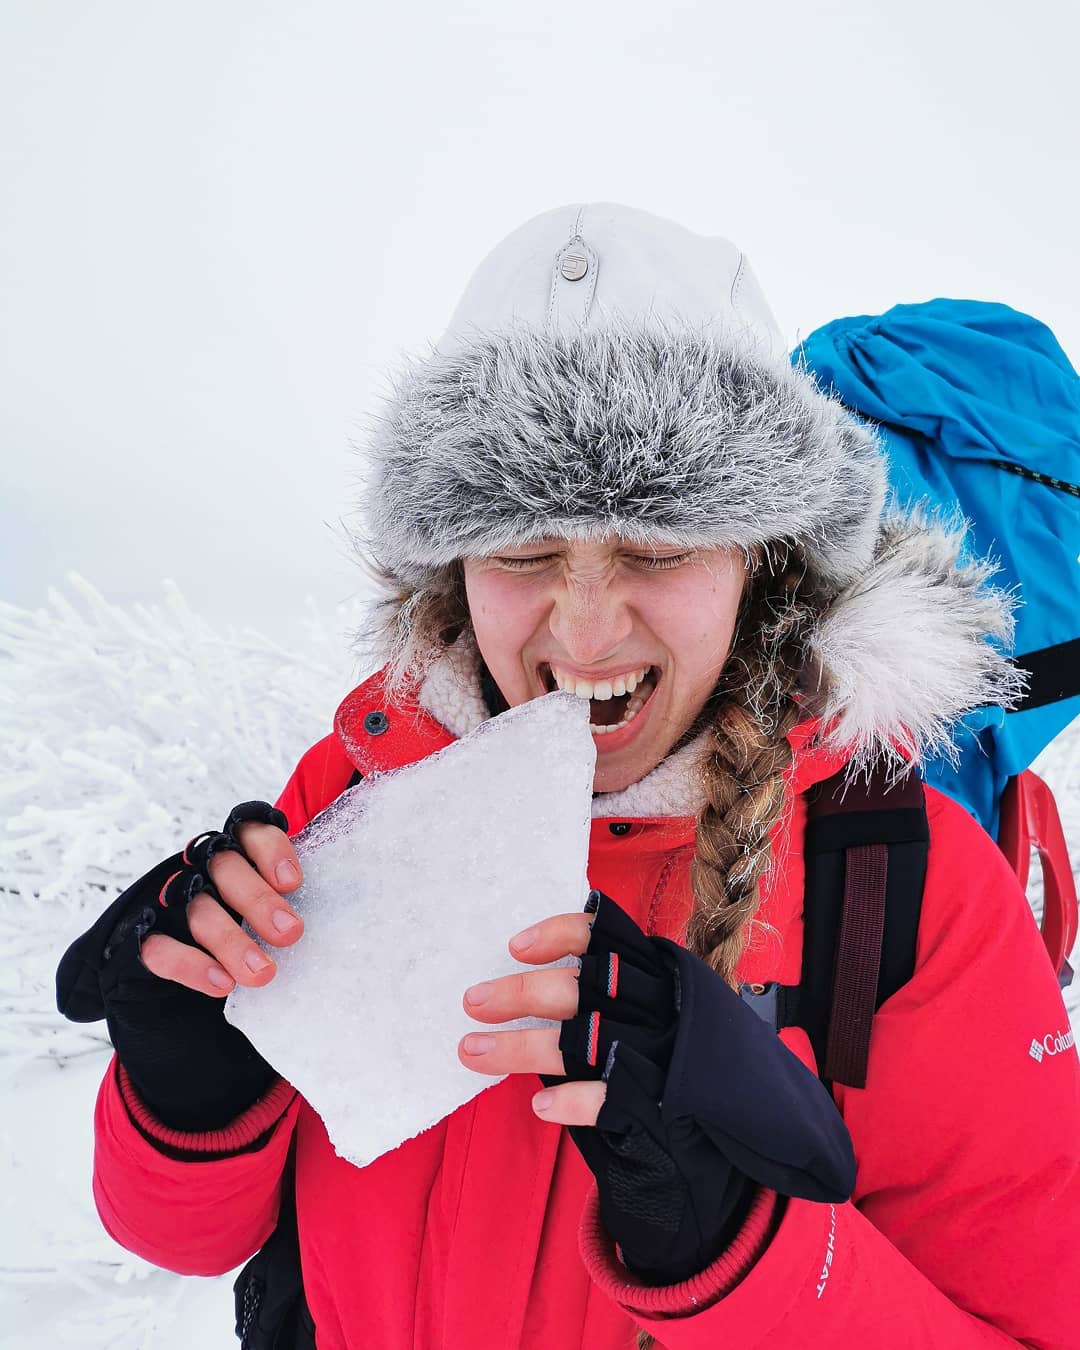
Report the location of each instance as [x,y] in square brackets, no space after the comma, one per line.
[743,769]
[754,708]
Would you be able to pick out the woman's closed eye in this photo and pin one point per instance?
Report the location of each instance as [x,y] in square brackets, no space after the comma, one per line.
[525,564]
[655,562]
[651,562]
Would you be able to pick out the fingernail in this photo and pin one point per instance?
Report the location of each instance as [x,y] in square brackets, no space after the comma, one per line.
[523,940]
[542,1101]
[283,920]
[217,977]
[287,875]
[254,960]
[479,993]
[479,1045]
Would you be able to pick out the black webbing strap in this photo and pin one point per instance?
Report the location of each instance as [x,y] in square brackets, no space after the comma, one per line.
[1053,674]
[865,854]
[858,964]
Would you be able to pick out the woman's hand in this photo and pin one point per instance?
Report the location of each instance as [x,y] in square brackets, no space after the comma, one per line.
[252,885]
[540,993]
[682,1101]
[160,959]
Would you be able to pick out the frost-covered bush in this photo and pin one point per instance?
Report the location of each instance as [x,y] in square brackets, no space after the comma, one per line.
[123,732]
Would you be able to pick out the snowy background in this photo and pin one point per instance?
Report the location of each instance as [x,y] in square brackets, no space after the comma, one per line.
[221,226]
[223,222]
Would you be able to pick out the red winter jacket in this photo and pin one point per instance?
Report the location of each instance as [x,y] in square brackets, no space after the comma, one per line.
[964,1229]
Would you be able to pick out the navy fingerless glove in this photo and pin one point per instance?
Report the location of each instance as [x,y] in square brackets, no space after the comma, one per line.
[704,1103]
[193,1069]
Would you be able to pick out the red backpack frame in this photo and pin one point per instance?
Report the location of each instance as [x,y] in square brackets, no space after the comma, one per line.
[1030,819]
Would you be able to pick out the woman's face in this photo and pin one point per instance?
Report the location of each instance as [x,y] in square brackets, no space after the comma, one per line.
[642,632]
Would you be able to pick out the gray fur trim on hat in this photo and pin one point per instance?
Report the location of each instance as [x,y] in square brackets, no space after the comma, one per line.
[685,437]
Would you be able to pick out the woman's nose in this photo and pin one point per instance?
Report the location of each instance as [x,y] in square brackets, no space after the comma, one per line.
[589,622]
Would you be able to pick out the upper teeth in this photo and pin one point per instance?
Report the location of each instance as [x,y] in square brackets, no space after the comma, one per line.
[600,689]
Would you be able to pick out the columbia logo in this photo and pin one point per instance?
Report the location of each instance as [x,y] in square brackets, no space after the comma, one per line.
[1053,1043]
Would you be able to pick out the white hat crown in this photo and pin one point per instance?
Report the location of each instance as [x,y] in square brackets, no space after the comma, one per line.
[579,268]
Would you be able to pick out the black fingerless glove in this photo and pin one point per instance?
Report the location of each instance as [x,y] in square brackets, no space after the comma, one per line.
[704,1103]
[191,1068]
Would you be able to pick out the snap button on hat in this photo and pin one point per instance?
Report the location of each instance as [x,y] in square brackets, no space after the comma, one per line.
[375,723]
[574,266]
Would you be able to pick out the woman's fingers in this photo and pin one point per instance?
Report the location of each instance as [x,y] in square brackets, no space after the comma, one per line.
[178,961]
[272,854]
[244,890]
[535,1051]
[234,958]
[529,993]
[540,993]
[253,889]
[570,1103]
[561,935]
[213,929]
[499,1052]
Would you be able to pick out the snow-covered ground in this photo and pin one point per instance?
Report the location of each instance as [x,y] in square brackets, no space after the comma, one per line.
[122,728]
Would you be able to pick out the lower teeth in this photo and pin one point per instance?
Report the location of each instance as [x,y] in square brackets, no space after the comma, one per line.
[637,702]
[628,716]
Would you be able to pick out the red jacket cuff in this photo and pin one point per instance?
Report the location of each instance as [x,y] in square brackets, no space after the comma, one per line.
[237,1136]
[692,1295]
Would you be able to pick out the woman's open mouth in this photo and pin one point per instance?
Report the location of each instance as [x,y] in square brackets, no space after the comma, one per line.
[614,702]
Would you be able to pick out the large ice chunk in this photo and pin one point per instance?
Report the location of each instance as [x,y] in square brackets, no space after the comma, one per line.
[414,882]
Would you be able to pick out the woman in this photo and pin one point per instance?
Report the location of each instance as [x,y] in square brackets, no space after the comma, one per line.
[607,478]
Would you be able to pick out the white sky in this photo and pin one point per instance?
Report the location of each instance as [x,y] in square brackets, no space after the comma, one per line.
[222,221]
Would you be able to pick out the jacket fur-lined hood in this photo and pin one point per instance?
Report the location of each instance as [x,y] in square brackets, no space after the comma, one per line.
[611,374]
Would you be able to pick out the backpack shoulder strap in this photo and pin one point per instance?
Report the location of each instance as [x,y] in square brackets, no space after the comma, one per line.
[865,853]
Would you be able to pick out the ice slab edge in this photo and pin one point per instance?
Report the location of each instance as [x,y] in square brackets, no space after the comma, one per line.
[414,881]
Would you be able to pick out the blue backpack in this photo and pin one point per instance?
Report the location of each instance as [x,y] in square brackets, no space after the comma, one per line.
[979,411]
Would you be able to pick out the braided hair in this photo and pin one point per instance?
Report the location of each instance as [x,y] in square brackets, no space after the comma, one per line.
[752,710]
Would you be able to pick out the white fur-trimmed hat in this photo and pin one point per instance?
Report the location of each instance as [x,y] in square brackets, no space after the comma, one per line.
[608,372]
[611,373]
